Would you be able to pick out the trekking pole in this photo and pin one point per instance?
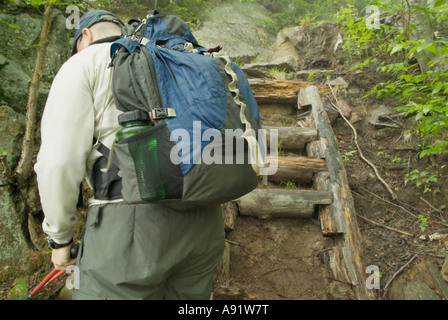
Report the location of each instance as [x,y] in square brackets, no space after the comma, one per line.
[53,275]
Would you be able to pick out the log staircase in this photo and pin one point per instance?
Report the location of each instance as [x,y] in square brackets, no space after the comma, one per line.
[309,156]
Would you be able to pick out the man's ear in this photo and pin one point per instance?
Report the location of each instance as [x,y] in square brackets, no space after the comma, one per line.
[87,33]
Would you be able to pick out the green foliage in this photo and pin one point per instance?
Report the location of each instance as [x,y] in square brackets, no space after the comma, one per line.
[310,77]
[422,179]
[396,160]
[361,38]
[35,3]
[189,10]
[10,25]
[280,147]
[277,73]
[20,289]
[347,155]
[421,93]
[289,185]
[289,13]
[423,222]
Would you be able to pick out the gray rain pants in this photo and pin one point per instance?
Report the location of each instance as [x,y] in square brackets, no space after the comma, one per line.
[149,252]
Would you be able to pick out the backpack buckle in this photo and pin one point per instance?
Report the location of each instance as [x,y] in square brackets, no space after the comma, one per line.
[162,113]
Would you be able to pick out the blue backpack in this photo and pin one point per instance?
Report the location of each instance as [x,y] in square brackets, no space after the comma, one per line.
[203,146]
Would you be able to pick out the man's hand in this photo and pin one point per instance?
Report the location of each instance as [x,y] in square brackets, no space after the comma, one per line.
[61,258]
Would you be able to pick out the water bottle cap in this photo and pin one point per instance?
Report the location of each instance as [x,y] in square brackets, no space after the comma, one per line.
[134,115]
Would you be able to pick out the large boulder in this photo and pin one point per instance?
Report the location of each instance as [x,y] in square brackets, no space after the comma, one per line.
[239,27]
[18,53]
[301,50]
[12,126]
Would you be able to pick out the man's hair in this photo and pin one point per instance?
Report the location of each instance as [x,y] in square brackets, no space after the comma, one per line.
[105,28]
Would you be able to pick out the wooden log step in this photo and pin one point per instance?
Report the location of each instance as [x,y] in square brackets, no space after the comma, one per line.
[279,91]
[270,203]
[297,169]
[291,138]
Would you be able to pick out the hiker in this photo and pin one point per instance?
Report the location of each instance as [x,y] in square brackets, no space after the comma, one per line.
[142,251]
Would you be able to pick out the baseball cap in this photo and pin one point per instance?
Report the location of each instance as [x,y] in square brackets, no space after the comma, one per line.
[90,18]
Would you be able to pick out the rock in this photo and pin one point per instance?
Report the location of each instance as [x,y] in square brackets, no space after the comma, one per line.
[321,50]
[282,54]
[13,242]
[396,289]
[313,75]
[14,85]
[229,291]
[299,49]
[65,294]
[237,27]
[444,271]
[340,291]
[12,126]
[412,290]
[345,108]
[355,117]
[284,64]
[338,83]
[376,113]
[18,53]
[416,290]
[284,48]
[440,284]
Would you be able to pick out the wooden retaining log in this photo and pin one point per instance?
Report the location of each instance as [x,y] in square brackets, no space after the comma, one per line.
[328,224]
[314,149]
[269,203]
[343,209]
[335,266]
[320,182]
[229,214]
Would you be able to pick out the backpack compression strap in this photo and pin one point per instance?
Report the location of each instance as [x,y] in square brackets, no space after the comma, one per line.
[256,158]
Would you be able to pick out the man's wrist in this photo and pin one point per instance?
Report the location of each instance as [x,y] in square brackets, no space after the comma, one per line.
[54,245]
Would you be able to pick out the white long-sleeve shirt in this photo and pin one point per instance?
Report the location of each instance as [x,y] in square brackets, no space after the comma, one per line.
[80,107]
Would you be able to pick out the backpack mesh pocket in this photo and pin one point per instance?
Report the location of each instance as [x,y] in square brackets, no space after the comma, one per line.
[146,168]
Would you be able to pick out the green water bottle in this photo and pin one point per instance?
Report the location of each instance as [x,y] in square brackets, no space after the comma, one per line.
[143,151]
[132,122]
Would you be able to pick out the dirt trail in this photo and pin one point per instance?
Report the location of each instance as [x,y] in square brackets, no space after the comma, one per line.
[277,258]
[282,259]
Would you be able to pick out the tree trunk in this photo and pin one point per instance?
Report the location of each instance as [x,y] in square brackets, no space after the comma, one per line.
[24,166]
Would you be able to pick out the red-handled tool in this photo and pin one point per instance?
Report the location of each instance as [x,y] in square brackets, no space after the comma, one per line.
[53,275]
